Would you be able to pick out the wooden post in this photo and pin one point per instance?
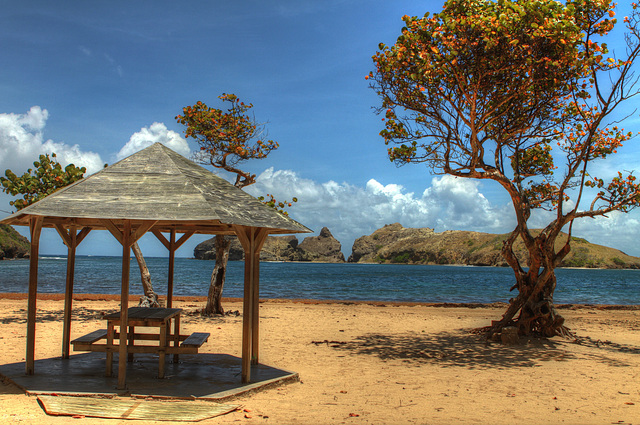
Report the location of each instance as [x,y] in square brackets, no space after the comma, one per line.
[247,316]
[71,239]
[172,245]
[35,227]
[260,238]
[172,258]
[252,240]
[68,293]
[124,305]
[255,317]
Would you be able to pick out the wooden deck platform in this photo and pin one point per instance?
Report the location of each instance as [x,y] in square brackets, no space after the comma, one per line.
[203,376]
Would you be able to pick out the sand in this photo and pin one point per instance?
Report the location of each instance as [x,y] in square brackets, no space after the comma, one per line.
[388,364]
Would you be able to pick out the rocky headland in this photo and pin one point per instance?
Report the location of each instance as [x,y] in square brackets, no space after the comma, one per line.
[394,243]
[12,244]
[322,248]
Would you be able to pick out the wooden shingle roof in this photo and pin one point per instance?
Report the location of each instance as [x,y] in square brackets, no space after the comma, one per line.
[157,184]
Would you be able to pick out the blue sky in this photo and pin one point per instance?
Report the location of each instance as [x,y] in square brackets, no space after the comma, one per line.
[96,81]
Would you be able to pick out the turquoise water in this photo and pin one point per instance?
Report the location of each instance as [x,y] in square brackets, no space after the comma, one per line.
[366,282]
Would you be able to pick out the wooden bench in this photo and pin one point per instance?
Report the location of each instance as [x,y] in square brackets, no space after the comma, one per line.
[195,340]
[91,337]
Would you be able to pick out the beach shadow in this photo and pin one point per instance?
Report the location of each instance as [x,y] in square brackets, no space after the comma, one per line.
[80,313]
[8,388]
[608,345]
[459,348]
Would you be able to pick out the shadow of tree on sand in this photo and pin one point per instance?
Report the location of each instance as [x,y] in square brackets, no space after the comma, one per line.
[462,349]
[80,313]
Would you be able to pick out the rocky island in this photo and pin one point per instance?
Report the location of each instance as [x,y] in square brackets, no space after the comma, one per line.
[397,244]
[323,248]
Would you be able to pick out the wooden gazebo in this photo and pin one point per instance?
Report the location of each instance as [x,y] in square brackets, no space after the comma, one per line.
[155,190]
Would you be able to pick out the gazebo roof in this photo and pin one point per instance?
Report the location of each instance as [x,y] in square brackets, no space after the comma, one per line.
[157,184]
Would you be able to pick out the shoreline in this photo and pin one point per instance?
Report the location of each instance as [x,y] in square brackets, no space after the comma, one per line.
[189,298]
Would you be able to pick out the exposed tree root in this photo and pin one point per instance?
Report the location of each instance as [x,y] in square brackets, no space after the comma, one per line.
[544,324]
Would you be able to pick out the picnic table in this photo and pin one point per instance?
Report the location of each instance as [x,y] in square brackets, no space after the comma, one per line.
[163,342]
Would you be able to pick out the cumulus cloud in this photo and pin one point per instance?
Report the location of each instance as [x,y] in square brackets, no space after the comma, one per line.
[449,203]
[618,230]
[352,211]
[22,141]
[147,136]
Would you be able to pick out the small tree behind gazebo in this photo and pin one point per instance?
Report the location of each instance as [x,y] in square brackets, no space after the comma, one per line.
[226,139]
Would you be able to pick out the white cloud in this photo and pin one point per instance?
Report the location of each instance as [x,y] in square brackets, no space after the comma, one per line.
[114,64]
[448,204]
[147,136]
[618,230]
[22,141]
[352,211]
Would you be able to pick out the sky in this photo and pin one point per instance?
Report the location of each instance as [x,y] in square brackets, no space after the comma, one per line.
[97,81]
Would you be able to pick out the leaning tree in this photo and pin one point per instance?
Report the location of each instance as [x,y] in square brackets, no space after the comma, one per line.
[522,93]
[48,176]
[227,139]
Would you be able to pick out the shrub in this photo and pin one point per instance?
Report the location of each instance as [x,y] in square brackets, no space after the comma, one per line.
[401,258]
[618,261]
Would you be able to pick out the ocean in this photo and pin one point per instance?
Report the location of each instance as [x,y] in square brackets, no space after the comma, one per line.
[319,281]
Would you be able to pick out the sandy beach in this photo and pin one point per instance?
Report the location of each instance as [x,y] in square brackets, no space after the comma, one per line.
[385,364]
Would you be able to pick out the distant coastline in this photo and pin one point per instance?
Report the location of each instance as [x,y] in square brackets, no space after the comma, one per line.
[395,244]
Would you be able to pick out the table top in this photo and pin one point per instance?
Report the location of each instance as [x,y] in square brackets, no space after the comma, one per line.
[147,313]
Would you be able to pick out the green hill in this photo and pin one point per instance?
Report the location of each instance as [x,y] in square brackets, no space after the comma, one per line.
[12,243]
[396,244]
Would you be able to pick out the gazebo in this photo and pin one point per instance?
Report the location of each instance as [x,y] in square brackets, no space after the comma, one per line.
[159,191]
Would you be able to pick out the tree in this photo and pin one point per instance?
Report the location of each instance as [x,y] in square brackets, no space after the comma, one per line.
[521,93]
[34,185]
[47,177]
[227,138]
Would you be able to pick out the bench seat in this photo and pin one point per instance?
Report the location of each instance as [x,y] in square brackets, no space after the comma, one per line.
[91,337]
[196,339]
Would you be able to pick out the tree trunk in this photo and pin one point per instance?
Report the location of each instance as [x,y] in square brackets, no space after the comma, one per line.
[538,315]
[150,298]
[214,299]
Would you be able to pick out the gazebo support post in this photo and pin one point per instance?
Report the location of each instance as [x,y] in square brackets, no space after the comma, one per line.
[35,228]
[172,245]
[126,237]
[252,239]
[124,305]
[255,316]
[68,292]
[71,239]
[172,259]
